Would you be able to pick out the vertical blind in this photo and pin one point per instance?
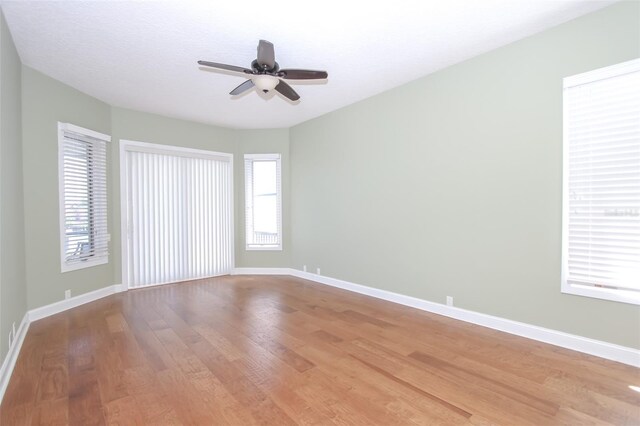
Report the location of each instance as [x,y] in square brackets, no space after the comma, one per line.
[602,178]
[179,218]
[263,201]
[83,198]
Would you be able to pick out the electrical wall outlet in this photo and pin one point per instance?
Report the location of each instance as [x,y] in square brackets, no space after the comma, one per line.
[67,294]
[318,271]
[449,301]
[304,268]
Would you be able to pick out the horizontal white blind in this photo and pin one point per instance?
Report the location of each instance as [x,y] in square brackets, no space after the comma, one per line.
[263,201]
[180,218]
[83,191]
[602,137]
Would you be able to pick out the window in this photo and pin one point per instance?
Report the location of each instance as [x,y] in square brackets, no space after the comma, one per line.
[263,201]
[82,163]
[601,223]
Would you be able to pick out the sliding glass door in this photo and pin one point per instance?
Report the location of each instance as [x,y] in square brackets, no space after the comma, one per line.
[179,214]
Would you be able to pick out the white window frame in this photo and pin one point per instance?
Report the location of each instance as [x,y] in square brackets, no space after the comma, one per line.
[264,157]
[613,294]
[64,265]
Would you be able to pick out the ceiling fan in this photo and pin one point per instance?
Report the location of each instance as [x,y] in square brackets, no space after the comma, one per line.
[266,74]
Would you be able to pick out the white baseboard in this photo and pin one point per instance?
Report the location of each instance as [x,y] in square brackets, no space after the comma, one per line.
[63,305]
[261,271]
[12,355]
[594,347]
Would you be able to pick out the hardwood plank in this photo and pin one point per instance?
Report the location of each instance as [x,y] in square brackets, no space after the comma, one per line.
[205,391]
[85,404]
[51,412]
[123,411]
[54,377]
[248,350]
[156,408]
[459,411]
[367,386]
[488,383]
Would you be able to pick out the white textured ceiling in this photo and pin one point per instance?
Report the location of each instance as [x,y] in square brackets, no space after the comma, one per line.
[142,54]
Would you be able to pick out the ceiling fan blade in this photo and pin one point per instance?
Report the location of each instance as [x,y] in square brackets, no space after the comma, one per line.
[242,88]
[266,54]
[294,74]
[287,91]
[225,67]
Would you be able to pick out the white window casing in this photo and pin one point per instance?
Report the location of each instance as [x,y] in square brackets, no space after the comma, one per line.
[601,183]
[263,201]
[82,172]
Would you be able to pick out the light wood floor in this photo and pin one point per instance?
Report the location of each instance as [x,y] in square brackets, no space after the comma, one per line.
[278,350]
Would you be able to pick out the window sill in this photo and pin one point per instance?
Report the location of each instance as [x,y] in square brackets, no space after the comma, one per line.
[83,265]
[279,248]
[623,296]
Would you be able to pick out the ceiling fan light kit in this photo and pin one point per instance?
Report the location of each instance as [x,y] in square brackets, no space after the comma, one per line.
[265,82]
[266,74]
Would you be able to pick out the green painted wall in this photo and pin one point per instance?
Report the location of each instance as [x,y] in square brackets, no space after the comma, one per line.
[46,101]
[451,184]
[13,294]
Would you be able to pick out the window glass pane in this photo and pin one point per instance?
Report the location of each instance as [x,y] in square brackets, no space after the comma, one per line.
[265,209]
[263,202]
[264,177]
[77,204]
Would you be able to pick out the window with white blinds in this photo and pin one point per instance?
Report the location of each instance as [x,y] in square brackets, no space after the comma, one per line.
[263,201]
[82,163]
[601,227]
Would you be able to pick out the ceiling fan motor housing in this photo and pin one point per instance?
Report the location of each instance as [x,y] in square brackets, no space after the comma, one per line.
[263,69]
